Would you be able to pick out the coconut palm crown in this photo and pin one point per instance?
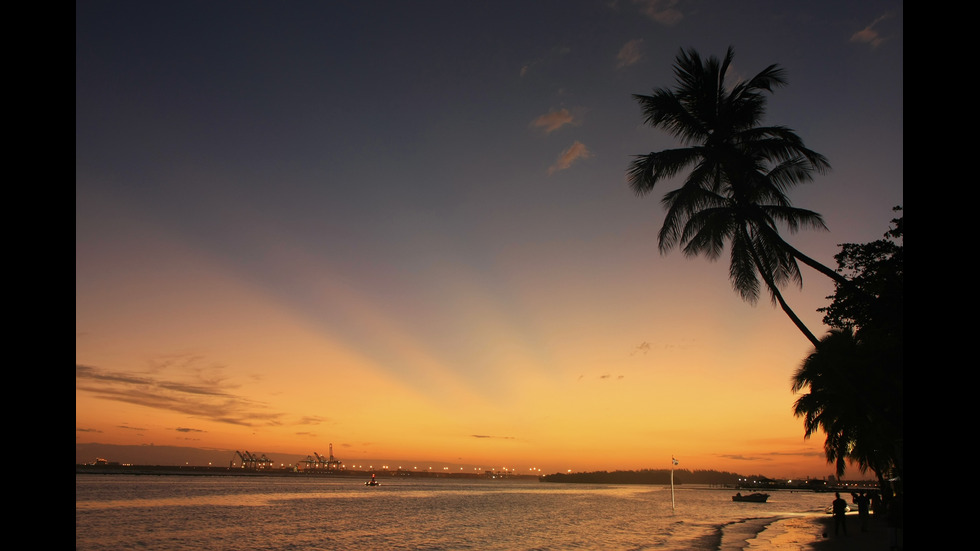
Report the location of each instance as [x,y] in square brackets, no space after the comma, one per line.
[739,174]
[850,397]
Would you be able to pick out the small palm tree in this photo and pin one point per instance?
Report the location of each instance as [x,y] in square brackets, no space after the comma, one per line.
[846,400]
[740,172]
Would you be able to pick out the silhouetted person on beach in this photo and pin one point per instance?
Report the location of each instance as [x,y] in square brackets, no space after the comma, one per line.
[864,504]
[895,520]
[840,508]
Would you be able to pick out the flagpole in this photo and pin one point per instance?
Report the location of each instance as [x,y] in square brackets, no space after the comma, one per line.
[672,463]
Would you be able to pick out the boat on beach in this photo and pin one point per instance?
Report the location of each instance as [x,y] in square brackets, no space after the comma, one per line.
[751,498]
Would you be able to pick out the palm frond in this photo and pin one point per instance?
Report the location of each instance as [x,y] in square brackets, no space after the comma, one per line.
[742,269]
[681,203]
[781,265]
[768,79]
[706,232]
[777,143]
[646,171]
[663,109]
[793,218]
[790,173]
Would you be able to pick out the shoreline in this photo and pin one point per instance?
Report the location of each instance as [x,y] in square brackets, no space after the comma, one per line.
[809,532]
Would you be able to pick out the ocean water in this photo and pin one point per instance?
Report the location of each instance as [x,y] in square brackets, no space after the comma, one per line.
[172,512]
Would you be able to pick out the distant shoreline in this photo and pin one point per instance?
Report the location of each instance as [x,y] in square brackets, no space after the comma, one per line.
[618,477]
[160,470]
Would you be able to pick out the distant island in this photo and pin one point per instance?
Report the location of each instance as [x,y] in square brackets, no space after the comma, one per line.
[651,476]
[684,476]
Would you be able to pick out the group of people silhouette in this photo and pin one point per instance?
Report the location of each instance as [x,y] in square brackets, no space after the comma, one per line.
[840,507]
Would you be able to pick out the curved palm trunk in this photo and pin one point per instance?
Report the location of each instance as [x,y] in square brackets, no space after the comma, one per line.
[838,278]
[782,302]
[792,315]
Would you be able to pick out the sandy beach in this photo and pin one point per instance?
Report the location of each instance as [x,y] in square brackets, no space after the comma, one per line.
[813,532]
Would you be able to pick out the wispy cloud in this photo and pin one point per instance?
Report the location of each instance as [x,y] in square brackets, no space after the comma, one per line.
[801,453]
[574,152]
[629,54]
[869,35]
[127,427]
[554,120]
[311,420]
[646,347]
[210,400]
[492,437]
[664,12]
[641,348]
[771,456]
[740,457]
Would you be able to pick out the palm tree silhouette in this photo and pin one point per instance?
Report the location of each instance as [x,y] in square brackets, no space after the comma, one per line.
[848,400]
[740,172]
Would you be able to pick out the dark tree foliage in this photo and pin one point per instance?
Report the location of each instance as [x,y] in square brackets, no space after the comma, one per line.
[874,300]
[647,476]
[855,376]
[873,304]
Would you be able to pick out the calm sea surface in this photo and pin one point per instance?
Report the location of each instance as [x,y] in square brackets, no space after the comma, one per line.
[283,513]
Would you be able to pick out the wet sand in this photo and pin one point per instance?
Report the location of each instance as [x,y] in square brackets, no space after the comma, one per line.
[808,533]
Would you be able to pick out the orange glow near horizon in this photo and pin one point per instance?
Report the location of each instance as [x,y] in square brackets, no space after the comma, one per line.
[252,373]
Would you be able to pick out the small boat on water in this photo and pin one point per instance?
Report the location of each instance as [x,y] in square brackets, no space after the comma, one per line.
[372,482]
[752,498]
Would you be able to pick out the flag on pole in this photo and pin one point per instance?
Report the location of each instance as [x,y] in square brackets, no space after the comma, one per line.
[673,461]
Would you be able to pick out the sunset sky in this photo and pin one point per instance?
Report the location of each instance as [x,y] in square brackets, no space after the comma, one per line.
[404,228]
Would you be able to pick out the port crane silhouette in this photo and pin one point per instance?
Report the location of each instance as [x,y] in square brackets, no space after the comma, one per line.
[250,461]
